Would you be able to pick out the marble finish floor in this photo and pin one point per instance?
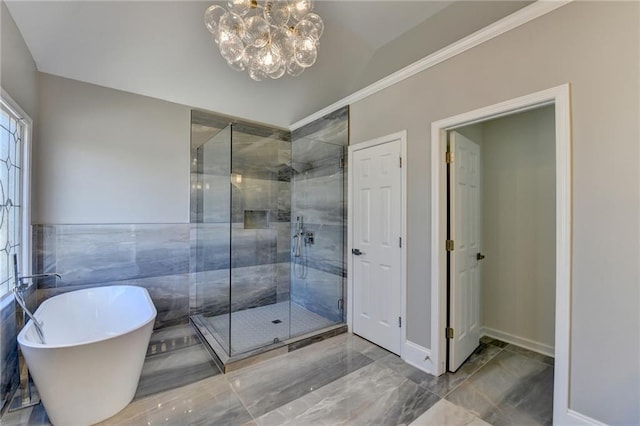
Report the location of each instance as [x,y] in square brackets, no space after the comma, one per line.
[256,327]
[175,357]
[346,380]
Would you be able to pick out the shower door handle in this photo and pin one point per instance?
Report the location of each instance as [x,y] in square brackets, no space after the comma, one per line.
[357,252]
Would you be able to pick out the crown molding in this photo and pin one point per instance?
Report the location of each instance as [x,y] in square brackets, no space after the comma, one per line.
[508,23]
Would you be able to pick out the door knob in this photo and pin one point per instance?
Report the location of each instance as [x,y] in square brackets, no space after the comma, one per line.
[357,252]
[479,256]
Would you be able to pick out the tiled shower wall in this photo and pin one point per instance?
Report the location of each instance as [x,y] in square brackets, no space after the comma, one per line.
[240,207]
[319,158]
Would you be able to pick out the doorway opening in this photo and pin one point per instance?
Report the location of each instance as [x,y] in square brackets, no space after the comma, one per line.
[501,274]
[442,245]
[501,224]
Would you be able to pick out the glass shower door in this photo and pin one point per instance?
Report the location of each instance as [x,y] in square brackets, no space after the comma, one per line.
[260,210]
[318,230]
[213,238]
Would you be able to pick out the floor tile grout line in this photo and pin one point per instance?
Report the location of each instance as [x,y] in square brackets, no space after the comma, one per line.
[500,412]
[489,400]
[474,372]
[253,418]
[315,390]
[406,378]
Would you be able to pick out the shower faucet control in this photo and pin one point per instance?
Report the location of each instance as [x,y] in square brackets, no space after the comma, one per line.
[309,238]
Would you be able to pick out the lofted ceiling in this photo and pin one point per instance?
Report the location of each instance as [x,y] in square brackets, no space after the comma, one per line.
[162,49]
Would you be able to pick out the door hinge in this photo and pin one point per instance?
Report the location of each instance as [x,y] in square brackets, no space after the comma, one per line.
[399,321]
[449,157]
[449,333]
[400,241]
[449,245]
[340,304]
[400,162]
[341,165]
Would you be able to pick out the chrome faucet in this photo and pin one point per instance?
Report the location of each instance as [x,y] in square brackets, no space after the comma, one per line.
[26,395]
[18,289]
[20,284]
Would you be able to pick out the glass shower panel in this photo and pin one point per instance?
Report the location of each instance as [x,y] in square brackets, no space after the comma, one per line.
[317,229]
[269,251]
[260,210]
[213,209]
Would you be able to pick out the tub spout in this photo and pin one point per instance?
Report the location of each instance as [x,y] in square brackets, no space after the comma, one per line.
[20,282]
[18,290]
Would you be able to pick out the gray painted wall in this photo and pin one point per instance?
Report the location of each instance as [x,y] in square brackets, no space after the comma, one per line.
[518,225]
[451,24]
[18,72]
[595,47]
[106,156]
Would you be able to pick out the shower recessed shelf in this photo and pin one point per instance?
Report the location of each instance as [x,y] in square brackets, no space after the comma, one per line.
[256,219]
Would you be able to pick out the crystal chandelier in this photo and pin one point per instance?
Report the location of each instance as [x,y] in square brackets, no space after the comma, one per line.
[266,37]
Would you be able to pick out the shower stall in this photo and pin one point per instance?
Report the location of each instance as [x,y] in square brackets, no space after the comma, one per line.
[268,209]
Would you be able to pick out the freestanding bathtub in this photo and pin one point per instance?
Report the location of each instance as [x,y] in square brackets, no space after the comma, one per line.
[95,344]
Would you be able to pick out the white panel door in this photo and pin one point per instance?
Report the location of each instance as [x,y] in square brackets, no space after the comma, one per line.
[377,274]
[464,197]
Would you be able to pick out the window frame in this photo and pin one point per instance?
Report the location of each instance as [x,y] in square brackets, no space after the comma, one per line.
[25,262]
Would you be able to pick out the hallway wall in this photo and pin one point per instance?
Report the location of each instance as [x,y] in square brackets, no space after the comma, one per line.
[518,226]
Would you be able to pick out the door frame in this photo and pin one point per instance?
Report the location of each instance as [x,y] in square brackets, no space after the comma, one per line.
[402,137]
[560,97]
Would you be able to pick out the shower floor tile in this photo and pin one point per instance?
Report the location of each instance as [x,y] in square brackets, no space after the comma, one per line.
[257,327]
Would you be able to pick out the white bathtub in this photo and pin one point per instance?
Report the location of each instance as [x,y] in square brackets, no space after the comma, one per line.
[96,341]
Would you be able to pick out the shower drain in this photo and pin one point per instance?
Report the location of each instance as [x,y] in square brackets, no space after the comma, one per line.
[277,321]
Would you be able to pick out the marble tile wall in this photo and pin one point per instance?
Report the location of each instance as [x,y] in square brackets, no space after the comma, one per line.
[239,173]
[181,276]
[11,322]
[251,287]
[318,292]
[9,378]
[154,256]
[318,197]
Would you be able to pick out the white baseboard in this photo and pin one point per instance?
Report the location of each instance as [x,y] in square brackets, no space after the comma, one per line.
[518,341]
[575,418]
[419,357]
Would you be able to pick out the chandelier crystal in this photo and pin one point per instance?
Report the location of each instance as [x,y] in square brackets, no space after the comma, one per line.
[266,38]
